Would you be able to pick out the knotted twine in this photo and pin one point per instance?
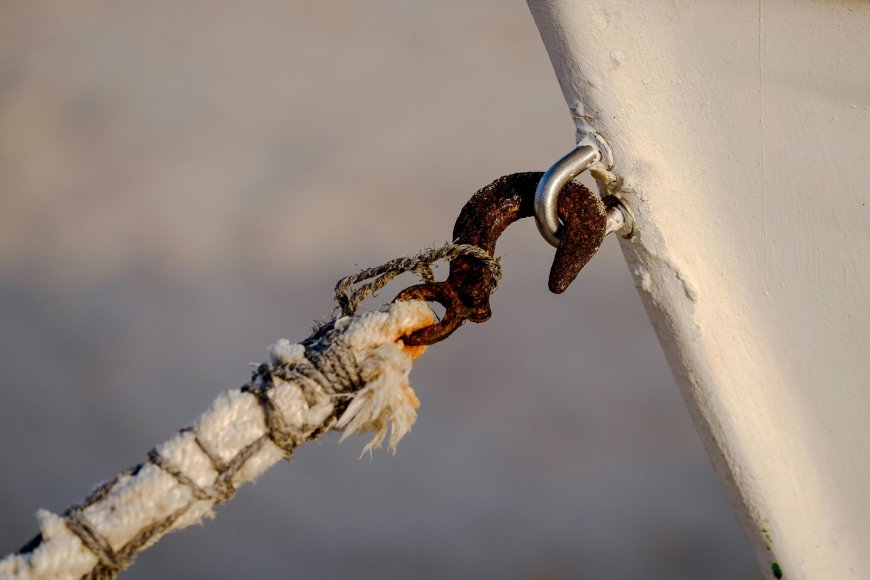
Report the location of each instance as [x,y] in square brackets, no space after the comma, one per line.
[351,375]
[421,264]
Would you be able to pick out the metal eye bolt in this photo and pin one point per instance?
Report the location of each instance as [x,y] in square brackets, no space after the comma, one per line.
[547,194]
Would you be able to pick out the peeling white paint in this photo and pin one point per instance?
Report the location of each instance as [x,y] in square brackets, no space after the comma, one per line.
[739,134]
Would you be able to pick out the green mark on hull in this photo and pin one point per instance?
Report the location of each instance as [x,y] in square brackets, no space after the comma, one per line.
[768,540]
[777,571]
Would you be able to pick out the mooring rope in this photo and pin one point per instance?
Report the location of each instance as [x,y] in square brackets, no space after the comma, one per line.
[350,375]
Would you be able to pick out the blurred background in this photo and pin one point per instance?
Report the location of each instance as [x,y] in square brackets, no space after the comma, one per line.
[182,183]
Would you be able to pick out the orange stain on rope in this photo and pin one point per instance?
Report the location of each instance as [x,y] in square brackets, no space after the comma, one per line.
[416,352]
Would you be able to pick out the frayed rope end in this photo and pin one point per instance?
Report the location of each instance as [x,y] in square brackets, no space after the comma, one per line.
[386,402]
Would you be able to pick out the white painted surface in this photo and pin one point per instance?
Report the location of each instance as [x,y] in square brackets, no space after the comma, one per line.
[742,130]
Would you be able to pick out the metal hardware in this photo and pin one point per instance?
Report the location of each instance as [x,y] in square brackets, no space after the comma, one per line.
[465,293]
[620,218]
[552,183]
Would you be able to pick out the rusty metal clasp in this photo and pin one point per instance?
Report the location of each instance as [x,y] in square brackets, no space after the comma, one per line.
[465,292]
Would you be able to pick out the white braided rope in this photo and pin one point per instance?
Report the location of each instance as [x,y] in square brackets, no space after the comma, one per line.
[351,376]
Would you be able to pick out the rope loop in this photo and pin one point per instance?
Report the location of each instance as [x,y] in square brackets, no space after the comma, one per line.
[421,264]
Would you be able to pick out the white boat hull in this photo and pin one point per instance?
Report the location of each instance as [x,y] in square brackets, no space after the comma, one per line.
[742,131]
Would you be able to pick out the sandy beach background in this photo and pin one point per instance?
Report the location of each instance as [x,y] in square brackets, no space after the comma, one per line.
[182,183]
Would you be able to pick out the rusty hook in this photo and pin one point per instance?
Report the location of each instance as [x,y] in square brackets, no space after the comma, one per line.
[465,293]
